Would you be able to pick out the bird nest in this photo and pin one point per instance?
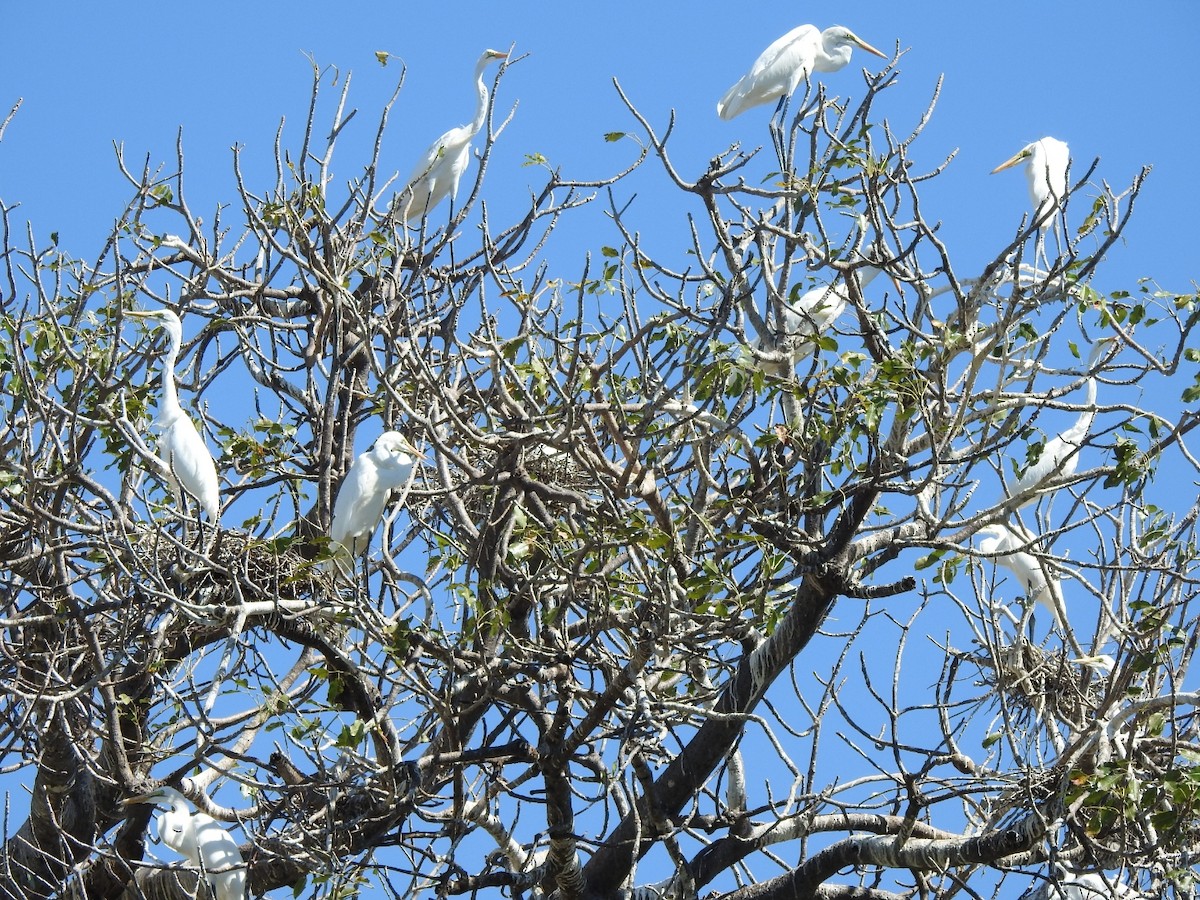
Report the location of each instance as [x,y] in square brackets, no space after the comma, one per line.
[1037,682]
[538,464]
[236,567]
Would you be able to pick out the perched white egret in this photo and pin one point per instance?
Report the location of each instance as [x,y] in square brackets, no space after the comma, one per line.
[803,322]
[1060,455]
[1046,168]
[807,319]
[780,68]
[437,174]
[179,444]
[1036,581]
[361,498]
[200,838]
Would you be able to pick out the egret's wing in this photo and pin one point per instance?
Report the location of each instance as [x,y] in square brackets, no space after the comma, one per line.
[432,177]
[1054,459]
[358,506]
[217,847]
[777,70]
[190,462]
[814,311]
[798,44]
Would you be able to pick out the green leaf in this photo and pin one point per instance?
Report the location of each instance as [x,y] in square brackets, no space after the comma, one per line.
[613,136]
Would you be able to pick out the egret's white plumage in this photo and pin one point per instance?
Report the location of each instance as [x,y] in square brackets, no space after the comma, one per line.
[179,444]
[806,319]
[1046,168]
[1060,455]
[361,498]
[780,68]
[1035,580]
[437,173]
[201,839]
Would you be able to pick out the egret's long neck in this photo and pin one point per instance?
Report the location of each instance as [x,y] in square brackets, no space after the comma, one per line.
[1089,391]
[1077,432]
[170,396]
[867,274]
[832,54]
[481,90]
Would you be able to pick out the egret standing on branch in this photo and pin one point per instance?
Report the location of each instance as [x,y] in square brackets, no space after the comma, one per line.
[361,498]
[1060,455]
[180,446]
[780,68]
[437,174]
[200,838]
[1046,168]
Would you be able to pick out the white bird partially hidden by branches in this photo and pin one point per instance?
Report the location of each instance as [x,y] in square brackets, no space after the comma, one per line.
[364,492]
[201,839]
[180,446]
[1038,583]
[1060,455]
[780,68]
[1046,164]
[805,320]
[439,170]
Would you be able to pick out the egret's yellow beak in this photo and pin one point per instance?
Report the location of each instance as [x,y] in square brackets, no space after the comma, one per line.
[1008,164]
[859,42]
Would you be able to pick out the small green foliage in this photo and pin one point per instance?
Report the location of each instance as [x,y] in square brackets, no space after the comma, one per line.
[1130,465]
[928,560]
[352,734]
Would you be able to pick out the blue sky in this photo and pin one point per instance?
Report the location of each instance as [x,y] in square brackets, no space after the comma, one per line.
[1111,83]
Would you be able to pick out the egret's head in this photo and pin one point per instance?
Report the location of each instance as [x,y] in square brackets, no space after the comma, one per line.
[996,539]
[160,796]
[840,34]
[1045,153]
[392,448]
[164,318]
[1025,153]
[491,56]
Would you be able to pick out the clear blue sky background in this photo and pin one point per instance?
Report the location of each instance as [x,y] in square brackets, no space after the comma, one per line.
[1111,82]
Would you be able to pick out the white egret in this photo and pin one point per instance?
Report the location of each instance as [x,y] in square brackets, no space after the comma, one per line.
[437,174]
[180,445]
[1038,584]
[1046,168]
[780,68]
[200,838]
[1060,455]
[807,319]
[361,497]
